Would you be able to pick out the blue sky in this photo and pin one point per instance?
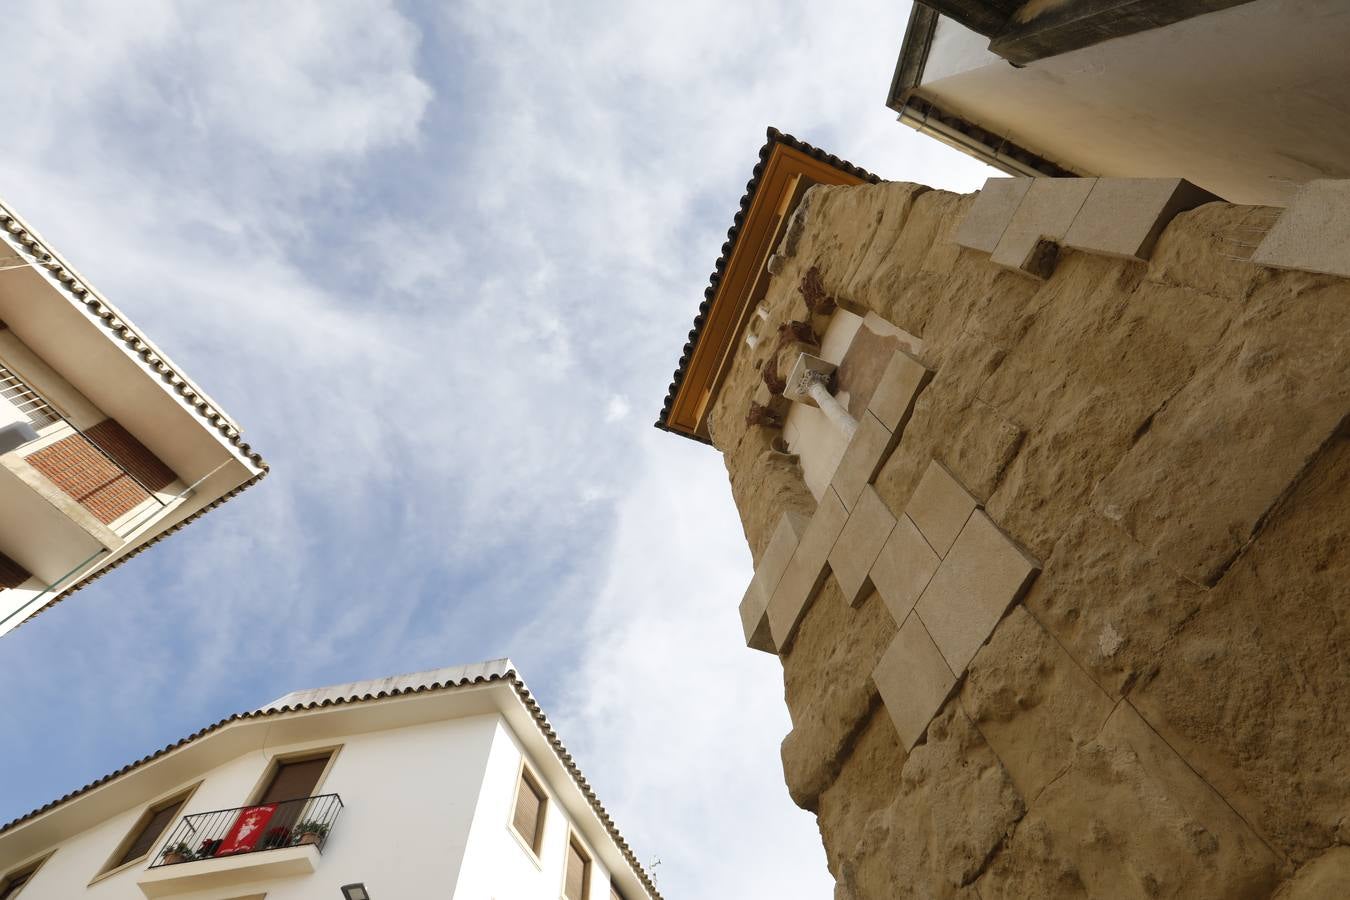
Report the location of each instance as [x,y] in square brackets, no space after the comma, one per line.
[439,260]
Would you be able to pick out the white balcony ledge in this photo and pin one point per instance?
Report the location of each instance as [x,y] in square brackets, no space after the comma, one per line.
[228,871]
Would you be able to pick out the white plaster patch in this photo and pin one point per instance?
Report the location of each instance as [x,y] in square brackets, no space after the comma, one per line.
[1109,641]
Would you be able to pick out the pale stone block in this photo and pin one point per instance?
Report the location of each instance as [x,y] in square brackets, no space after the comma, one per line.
[806,570]
[871,445]
[1125,216]
[913,680]
[869,525]
[772,565]
[989,215]
[893,399]
[903,568]
[1045,214]
[940,507]
[983,574]
[1313,234]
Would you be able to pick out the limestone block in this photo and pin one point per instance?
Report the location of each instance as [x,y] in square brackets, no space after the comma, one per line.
[1251,691]
[1326,876]
[868,782]
[1034,705]
[828,687]
[806,570]
[913,680]
[772,565]
[1125,216]
[893,399]
[868,527]
[991,212]
[940,507]
[1216,458]
[871,445]
[1110,602]
[864,364]
[903,568]
[1313,234]
[984,573]
[956,807]
[1046,213]
[1129,819]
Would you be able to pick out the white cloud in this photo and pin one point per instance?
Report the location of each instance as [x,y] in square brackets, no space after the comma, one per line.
[440,272]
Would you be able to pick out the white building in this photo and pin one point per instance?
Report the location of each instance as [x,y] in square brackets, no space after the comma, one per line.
[442,784]
[105,445]
[1246,98]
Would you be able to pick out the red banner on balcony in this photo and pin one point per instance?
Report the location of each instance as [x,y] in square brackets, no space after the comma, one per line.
[247,830]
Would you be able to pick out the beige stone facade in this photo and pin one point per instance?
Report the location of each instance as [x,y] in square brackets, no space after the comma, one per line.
[1073,617]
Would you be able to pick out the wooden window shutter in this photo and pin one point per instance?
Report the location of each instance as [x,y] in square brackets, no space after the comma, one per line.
[151,827]
[529,815]
[578,872]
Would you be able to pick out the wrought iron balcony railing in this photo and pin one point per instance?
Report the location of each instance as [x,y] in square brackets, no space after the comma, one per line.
[251,829]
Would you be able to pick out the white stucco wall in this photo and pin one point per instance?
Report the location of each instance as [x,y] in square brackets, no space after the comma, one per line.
[498,866]
[415,800]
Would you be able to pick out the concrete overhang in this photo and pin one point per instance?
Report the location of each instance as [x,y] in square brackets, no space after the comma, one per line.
[1247,102]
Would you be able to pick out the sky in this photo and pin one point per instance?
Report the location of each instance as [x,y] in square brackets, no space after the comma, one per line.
[439,260]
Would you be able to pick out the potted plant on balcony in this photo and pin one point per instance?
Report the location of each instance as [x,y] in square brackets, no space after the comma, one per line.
[176,853]
[310,832]
[276,837]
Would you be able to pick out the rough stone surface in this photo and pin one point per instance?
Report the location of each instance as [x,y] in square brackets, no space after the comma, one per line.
[955,807]
[1164,436]
[1034,705]
[983,574]
[866,532]
[1124,216]
[1216,458]
[1128,819]
[827,683]
[1325,877]
[1253,690]
[865,787]
[903,568]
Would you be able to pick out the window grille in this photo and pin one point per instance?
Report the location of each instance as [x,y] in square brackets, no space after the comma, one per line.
[26,400]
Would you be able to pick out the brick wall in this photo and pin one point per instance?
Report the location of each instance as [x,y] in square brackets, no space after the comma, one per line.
[11,573]
[76,465]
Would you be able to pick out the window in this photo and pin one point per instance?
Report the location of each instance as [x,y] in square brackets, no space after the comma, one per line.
[291,784]
[294,779]
[152,823]
[528,820]
[12,883]
[28,403]
[578,882]
[614,893]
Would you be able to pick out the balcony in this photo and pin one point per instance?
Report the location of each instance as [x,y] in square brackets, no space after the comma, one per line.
[229,847]
[69,499]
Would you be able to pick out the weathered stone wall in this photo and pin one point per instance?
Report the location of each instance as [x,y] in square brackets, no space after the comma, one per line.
[1166,712]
